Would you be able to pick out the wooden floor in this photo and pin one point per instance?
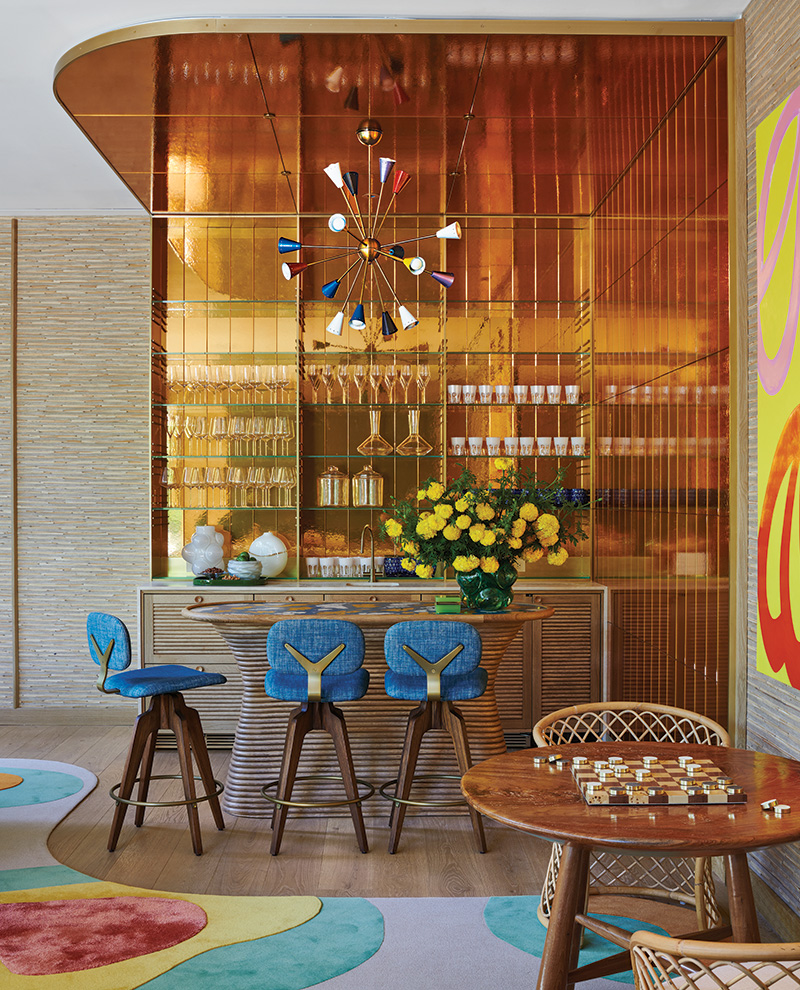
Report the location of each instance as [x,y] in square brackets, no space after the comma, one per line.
[436,858]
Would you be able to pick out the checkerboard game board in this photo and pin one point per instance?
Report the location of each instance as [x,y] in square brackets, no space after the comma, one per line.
[649,781]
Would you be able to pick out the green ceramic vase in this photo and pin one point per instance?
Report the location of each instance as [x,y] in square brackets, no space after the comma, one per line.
[488,592]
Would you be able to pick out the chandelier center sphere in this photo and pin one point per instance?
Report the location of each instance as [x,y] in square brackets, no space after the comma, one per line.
[369,249]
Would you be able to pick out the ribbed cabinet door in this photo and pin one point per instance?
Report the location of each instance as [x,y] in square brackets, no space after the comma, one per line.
[567,652]
[514,683]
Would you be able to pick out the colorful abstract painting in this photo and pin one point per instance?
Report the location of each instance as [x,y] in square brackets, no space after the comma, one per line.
[778,306]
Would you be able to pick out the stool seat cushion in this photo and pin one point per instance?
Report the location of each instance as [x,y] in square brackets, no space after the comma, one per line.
[456,687]
[167,678]
[335,687]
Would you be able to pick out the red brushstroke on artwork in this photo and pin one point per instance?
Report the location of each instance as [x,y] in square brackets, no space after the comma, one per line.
[777,631]
[42,938]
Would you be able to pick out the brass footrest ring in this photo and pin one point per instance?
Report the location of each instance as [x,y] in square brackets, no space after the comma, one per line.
[273,799]
[218,789]
[422,804]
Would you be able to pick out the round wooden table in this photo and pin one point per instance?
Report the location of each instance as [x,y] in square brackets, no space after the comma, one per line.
[546,802]
[376,724]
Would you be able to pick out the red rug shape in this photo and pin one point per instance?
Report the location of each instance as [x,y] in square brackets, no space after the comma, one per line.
[42,938]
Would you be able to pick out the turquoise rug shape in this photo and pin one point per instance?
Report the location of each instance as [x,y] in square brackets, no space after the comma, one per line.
[38,787]
[514,920]
[345,933]
[33,877]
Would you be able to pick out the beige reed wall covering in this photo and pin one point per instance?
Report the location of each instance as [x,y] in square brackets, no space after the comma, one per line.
[772,49]
[83,445]
[6,634]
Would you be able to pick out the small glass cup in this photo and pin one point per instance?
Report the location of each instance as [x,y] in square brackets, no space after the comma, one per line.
[469,393]
[485,393]
[672,445]
[611,393]
[554,394]
[475,445]
[561,445]
[622,446]
[578,446]
[637,446]
[493,446]
[364,566]
[544,445]
[604,446]
[664,393]
[344,566]
[328,566]
[572,394]
[502,393]
[520,394]
[312,567]
[511,445]
[526,445]
[454,393]
[459,446]
[657,445]
[378,566]
[537,394]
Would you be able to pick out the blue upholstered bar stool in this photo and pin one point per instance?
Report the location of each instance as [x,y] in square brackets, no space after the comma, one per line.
[316,662]
[110,648]
[435,663]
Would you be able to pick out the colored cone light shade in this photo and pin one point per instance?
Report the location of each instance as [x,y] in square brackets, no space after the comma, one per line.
[388,327]
[386,79]
[333,82]
[291,268]
[451,232]
[357,321]
[407,318]
[334,173]
[285,245]
[351,181]
[415,265]
[401,179]
[397,251]
[351,101]
[444,278]
[335,326]
[337,223]
[386,166]
[329,289]
[400,95]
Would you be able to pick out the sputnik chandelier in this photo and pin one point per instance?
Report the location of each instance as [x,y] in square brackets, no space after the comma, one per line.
[368,250]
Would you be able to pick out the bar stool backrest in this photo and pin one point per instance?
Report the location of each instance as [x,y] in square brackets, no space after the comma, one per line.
[432,641]
[315,639]
[109,645]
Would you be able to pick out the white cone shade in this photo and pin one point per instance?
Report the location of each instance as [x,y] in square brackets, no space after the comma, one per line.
[407,318]
[415,265]
[337,222]
[451,232]
[334,173]
[336,324]
[333,82]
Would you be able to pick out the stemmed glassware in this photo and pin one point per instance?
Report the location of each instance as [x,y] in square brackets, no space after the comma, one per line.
[284,379]
[404,377]
[314,374]
[343,377]
[423,377]
[218,431]
[390,377]
[170,481]
[375,379]
[283,431]
[374,445]
[360,379]
[327,378]
[237,483]
[414,444]
[216,481]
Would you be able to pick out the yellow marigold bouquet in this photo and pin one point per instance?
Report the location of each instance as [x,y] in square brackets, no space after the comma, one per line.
[471,527]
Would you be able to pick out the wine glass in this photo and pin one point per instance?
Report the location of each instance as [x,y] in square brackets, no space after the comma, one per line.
[238,433]
[423,377]
[390,377]
[195,380]
[343,377]
[314,373]
[215,481]
[375,379]
[284,431]
[360,379]
[284,378]
[237,482]
[327,378]
[174,381]
[218,431]
[404,377]
[170,480]
[258,433]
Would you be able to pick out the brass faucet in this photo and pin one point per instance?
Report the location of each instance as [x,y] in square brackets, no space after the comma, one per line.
[368,529]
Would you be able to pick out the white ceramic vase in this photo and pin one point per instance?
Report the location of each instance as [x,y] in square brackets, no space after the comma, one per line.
[271,551]
[204,550]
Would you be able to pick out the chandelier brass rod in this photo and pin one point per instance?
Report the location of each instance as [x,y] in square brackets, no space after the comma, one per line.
[391,289]
[356,219]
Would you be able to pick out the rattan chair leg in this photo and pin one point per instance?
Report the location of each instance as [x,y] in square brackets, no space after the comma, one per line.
[419,721]
[334,724]
[203,762]
[453,721]
[147,724]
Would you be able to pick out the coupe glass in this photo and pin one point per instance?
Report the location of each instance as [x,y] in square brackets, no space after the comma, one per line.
[423,377]
[414,444]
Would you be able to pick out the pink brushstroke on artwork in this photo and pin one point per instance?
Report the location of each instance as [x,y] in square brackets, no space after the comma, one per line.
[41,938]
[772,372]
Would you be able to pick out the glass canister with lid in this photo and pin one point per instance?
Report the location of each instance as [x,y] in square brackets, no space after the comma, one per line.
[333,488]
[368,488]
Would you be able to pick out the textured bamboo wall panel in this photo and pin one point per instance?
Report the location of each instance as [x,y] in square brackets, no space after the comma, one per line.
[83,442]
[6,632]
[772,50]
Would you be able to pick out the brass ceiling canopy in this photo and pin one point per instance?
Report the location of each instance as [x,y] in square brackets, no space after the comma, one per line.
[229,118]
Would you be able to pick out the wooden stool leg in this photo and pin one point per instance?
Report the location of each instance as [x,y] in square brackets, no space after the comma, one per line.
[453,721]
[177,723]
[144,777]
[419,721]
[333,723]
[744,920]
[146,724]
[562,942]
[203,761]
[301,721]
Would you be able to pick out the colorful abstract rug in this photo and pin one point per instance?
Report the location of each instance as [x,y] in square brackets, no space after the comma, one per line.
[63,930]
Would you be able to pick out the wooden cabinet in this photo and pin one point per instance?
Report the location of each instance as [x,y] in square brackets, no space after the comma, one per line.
[549,664]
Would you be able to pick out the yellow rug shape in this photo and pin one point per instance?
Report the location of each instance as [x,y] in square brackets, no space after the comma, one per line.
[9,780]
[230,920]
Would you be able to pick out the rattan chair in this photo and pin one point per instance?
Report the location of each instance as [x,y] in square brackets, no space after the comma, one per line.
[662,963]
[677,879]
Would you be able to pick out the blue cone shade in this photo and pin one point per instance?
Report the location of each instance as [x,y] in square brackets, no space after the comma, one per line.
[357,321]
[285,245]
[386,164]
[351,181]
[329,289]
[397,251]
[387,325]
